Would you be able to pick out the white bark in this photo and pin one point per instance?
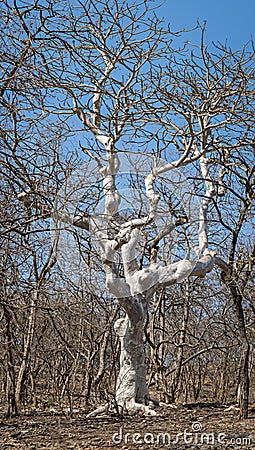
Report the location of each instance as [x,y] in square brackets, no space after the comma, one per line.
[132,394]
[210,192]
[135,287]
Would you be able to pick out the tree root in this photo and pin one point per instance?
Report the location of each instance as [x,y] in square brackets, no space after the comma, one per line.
[131,407]
[232,408]
[100,410]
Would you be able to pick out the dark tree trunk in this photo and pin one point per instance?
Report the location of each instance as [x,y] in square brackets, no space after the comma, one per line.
[243,379]
[12,409]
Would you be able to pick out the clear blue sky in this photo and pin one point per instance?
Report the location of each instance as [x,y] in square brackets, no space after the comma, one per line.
[233,20]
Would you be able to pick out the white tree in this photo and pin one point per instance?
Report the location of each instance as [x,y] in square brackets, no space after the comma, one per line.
[135,287]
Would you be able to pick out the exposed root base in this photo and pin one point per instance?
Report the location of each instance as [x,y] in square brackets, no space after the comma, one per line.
[100,410]
[232,408]
[131,408]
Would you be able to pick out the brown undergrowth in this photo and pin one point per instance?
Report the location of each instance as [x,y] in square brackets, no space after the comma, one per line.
[194,426]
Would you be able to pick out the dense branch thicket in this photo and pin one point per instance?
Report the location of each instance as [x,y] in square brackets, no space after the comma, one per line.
[127,210]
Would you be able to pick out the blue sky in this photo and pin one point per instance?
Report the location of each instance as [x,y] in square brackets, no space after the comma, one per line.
[233,20]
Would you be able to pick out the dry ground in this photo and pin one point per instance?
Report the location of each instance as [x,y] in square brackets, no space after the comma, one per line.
[197,426]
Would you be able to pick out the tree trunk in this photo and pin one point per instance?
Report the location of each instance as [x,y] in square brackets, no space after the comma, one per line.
[27,346]
[179,358]
[131,390]
[243,380]
[12,410]
[156,350]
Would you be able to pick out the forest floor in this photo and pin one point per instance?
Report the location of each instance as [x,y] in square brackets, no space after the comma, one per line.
[196,426]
